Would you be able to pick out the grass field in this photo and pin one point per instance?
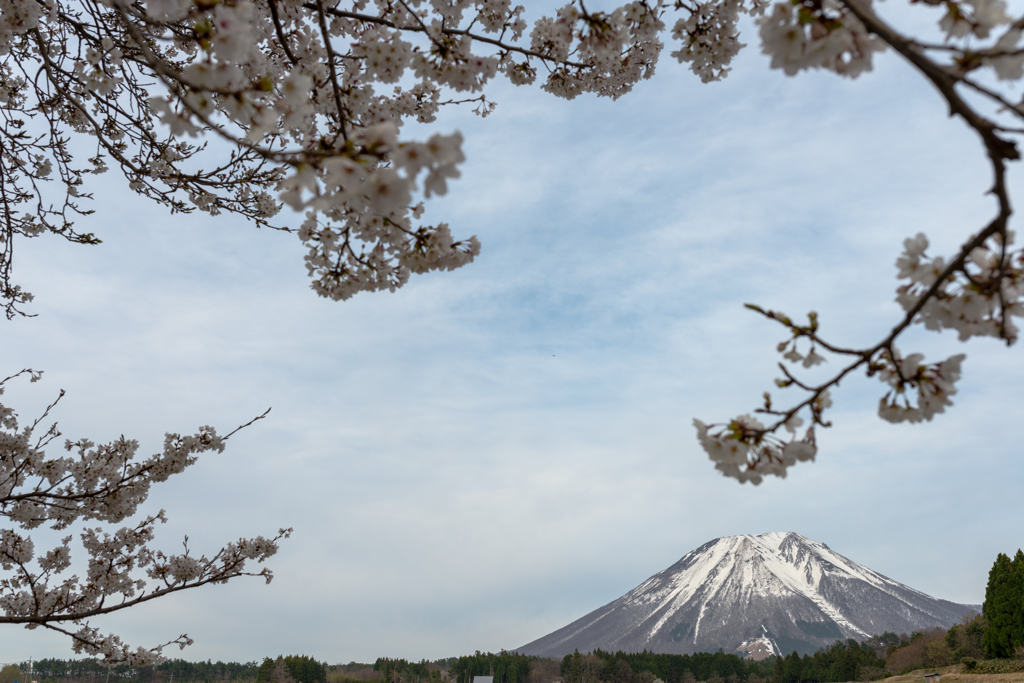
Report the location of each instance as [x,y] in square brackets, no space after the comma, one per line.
[952,674]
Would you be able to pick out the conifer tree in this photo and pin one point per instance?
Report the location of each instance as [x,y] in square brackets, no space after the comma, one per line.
[1004,606]
[1017,630]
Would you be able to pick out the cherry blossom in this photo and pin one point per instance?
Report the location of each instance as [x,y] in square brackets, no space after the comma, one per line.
[103,483]
[934,384]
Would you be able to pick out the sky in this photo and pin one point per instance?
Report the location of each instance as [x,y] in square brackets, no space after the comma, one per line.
[488,454]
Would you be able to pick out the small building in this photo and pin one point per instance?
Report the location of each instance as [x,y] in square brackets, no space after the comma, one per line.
[483,679]
[931,678]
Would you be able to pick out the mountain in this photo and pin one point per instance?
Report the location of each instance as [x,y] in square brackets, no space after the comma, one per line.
[754,595]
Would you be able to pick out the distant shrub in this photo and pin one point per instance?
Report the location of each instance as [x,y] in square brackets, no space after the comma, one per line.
[966,639]
[872,673]
[10,673]
[926,649]
[937,653]
[999,666]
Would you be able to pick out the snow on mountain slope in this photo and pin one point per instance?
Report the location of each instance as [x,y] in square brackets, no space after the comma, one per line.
[775,592]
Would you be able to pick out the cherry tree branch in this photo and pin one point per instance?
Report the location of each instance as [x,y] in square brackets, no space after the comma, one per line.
[982,269]
[105,483]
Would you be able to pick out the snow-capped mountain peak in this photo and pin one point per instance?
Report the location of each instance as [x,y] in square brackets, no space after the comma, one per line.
[758,595]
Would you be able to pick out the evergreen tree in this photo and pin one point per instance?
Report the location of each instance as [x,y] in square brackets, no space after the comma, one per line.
[1017,602]
[1004,606]
[306,669]
[793,668]
[266,671]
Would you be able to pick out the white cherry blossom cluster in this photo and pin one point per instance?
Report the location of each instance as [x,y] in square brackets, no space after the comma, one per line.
[935,385]
[746,450]
[979,296]
[710,35]
[817,34]
[1007,59]
[18,16]
[104,483]
[974,18]
[368,204]
[605,53]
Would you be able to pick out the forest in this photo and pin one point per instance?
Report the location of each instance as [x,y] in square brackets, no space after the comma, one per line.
[845,660]
[299,668]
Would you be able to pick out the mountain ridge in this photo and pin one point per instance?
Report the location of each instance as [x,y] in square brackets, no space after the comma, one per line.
[752,594]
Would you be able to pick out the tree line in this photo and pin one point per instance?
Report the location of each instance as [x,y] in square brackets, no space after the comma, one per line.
[395,670]
[299,668]
[629,667]
[294,668]
[506,667]
[90,669]
[845,660]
